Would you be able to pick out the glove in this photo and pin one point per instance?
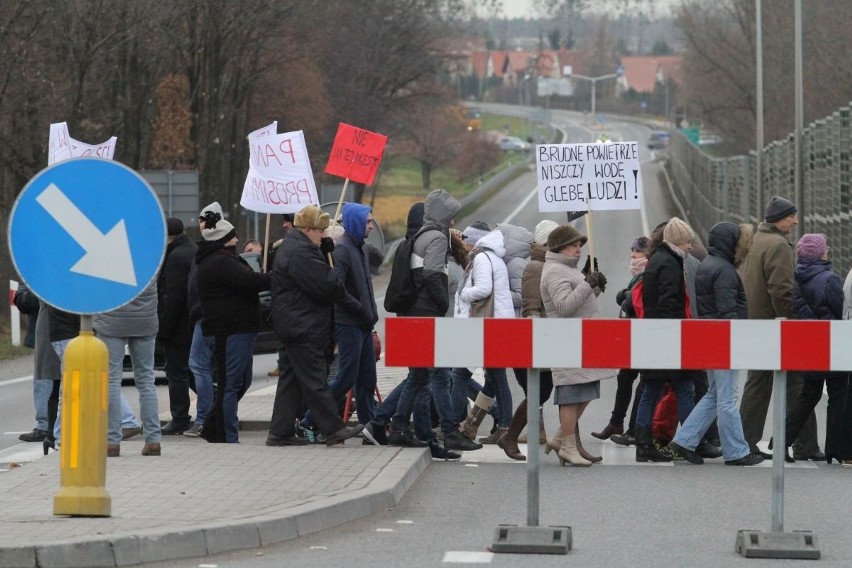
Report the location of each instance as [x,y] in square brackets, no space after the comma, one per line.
[596,280]
[588,265]
[326,245]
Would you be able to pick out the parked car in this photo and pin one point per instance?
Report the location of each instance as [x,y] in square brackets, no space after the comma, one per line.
[266,341]
[658,140]
[513,144]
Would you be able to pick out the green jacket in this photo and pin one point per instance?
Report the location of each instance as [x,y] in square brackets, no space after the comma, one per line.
[767,274]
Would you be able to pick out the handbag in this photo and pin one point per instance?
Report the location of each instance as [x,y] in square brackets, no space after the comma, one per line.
[484,308]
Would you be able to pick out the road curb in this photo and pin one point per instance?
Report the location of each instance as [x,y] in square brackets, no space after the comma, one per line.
[385,490]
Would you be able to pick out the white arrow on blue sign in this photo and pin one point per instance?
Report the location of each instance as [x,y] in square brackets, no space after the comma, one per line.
[87,235]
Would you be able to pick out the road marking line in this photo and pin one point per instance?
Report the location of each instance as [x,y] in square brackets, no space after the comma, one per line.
[16,381]
[467,557]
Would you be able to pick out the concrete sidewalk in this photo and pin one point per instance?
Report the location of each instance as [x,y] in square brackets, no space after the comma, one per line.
[202,499]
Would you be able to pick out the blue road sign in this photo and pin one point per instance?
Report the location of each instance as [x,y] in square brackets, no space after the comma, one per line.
[87,235]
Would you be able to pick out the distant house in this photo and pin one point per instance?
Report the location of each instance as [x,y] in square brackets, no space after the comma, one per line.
[643,73]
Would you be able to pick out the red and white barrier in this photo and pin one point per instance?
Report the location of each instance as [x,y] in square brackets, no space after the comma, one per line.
[15,314]
[773,345]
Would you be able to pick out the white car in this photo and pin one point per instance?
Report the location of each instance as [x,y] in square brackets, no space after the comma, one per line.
[513,144]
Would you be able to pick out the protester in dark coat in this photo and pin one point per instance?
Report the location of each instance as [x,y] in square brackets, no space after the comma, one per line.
[818,294]
[175,333]
[719,295]
[664,296]
[304,291]
[230,311]
[355,314]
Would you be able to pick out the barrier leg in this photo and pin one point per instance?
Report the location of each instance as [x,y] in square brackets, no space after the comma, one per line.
[777,543]
[532,539]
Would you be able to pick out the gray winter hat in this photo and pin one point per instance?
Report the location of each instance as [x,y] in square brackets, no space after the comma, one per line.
[778,209]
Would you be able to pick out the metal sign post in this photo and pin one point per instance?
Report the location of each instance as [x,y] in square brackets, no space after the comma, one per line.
[777,543]
[532,539]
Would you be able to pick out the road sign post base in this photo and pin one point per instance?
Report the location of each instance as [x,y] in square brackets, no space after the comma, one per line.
[532,540]
[761,544]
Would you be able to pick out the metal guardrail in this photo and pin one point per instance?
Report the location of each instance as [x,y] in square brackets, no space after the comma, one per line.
[722,189]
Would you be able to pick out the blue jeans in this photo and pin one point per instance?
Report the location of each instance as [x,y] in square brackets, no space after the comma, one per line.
[464,388]
[654,385]
[720,403]
[238,375]
[201,365]
[41,392]
[497,386]
[59,347]
[356,368]
[422,411]
[418,379]
[141,351]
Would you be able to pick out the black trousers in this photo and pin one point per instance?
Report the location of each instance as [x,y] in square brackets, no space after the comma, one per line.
[838,422]
[303,381]
[545,381]
[181,380]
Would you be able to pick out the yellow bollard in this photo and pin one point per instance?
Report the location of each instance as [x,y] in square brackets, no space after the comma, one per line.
[82,452]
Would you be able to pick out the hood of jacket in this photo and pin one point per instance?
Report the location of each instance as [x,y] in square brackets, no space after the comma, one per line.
[517,241]
[440,209]
[538,252]
[415,219]
[493,241]
[722,240]
[355,220]
[808,269]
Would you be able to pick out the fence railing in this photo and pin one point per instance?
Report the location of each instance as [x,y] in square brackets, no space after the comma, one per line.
[723,189]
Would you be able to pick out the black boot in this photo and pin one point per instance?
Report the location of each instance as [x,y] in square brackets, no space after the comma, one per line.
[646,450]
[49,442]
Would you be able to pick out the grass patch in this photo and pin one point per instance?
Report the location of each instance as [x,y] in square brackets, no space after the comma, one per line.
[9,351]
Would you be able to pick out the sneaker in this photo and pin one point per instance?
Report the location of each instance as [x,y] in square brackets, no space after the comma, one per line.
[35,436]
[405,439]
[708,451]
[273,440]
[343,434]
[458,441]
[686,453]
[749,459]
[439,453]
[194,430]
[173,428]
[127,433]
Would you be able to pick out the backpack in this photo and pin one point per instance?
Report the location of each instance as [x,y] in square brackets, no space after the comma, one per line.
[636,298]
[402,291]
[630,299]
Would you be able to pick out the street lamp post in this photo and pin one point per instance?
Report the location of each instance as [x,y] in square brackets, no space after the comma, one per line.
[594,81]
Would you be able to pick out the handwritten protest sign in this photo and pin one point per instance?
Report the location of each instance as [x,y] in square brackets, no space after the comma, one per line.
[62,147]
[268,130]
[356,154]
[588,177]
[279,179]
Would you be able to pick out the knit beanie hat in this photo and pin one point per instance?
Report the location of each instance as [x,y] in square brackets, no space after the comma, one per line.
[640,244]
[214,207]
[811,246]
[777,209]
[562,236]
[543,230]
[220,231]
[677,232]
[175,226]
[474,232]
[311,217]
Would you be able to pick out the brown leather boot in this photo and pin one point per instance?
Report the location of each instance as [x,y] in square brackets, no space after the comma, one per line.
[611,428]
[509,441]
[542,435]
[477,414]
[151,449]
[582,450]
[113,450]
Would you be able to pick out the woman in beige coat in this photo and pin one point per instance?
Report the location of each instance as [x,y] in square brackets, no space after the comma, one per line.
[568,293]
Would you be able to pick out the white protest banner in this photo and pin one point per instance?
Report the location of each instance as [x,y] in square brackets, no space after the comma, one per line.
[62,147]
[280,179]
[268,130]
[588,177]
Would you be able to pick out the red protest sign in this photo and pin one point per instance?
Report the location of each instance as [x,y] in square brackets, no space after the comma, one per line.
[356,154]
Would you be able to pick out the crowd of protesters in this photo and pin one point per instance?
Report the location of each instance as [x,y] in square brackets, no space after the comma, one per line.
[204,310]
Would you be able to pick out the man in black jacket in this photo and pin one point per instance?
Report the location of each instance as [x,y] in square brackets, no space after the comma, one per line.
[230,312]
[175,333]
[304,290]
